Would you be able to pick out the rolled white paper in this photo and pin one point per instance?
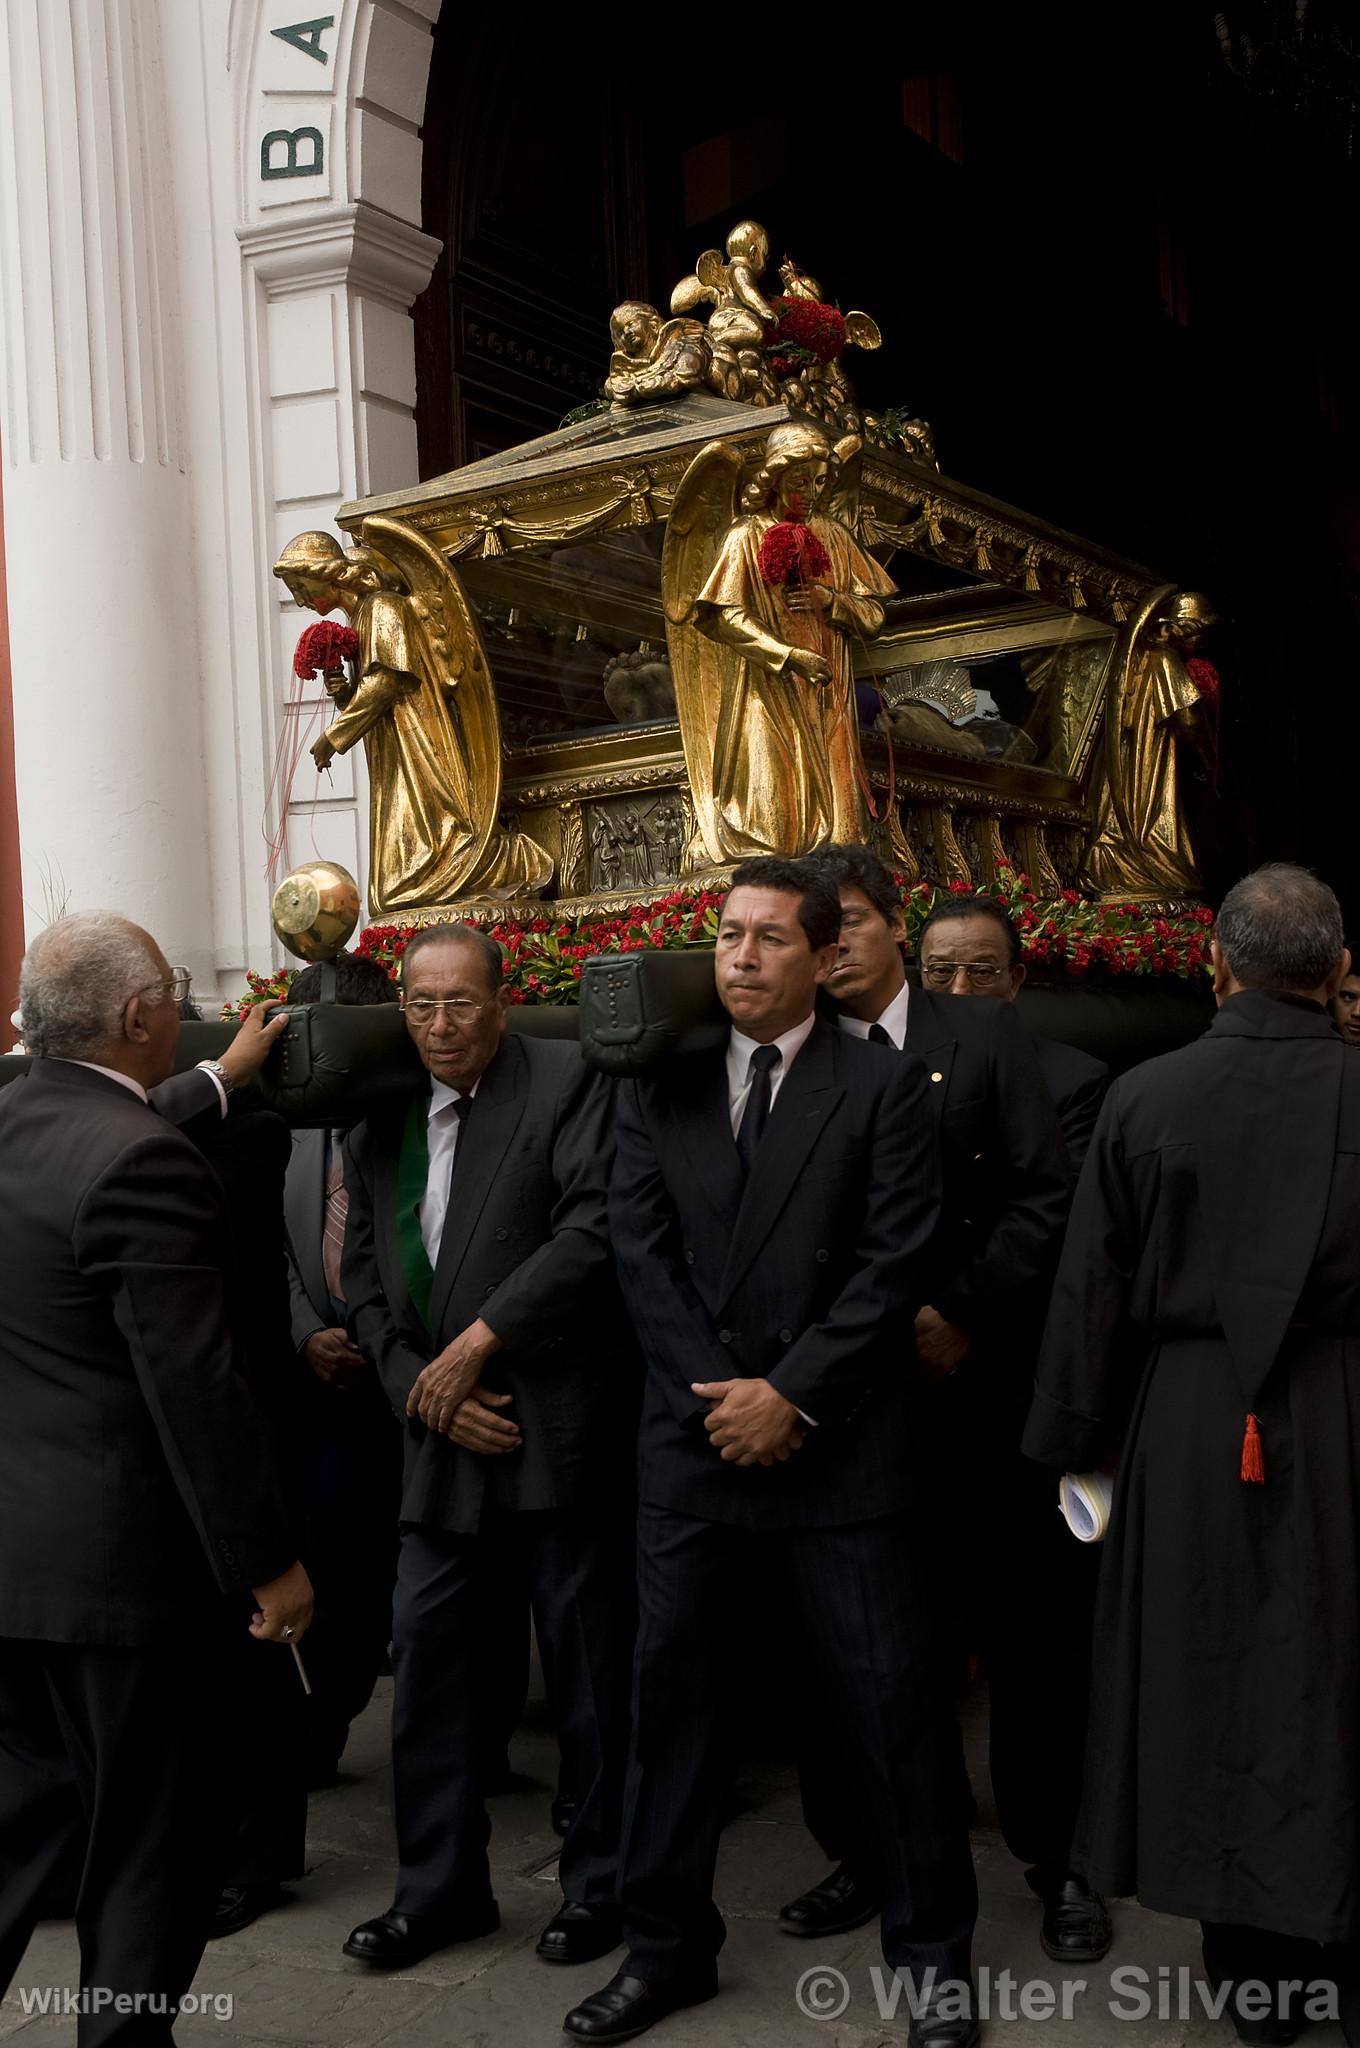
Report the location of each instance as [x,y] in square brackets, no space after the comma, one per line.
[1084,1504]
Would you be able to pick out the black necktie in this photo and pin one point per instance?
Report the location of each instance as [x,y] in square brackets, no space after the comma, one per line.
[878,1036]
[756,1114]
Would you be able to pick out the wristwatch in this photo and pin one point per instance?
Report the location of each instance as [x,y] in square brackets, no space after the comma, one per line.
[219,1072]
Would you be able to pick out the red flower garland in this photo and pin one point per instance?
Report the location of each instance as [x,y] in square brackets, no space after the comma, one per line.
[322,647]
[792,553]
[804,328]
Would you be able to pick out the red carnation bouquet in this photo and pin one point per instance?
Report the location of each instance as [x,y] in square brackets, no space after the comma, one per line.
[792,553]
[324,647]
[805,332]
[1206,680]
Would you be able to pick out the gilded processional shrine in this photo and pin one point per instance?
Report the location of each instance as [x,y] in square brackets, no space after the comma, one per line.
[728,612]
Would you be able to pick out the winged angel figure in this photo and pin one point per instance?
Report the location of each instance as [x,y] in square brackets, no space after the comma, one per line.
[424,708]
[761,625]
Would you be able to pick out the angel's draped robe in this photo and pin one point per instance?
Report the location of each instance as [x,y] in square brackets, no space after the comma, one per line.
[1155,722]
[426,818]
[787,772]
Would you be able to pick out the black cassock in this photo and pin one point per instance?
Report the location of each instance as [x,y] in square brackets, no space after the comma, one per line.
[1212,1271]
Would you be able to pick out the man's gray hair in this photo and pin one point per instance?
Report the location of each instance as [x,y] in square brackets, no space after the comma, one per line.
[1280,928]
[77,979]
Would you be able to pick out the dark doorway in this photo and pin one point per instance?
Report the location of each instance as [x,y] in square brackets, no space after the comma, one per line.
[1112,272]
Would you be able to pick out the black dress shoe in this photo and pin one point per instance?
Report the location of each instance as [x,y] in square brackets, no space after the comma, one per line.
[938,2023]
[239,1904]
[395,1940]
[580,1934]
[563,1812]
[1076,1924]
[947,2029]
[627,2006]
[844,1900]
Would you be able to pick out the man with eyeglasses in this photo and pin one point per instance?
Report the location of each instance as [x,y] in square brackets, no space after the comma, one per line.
[1007,1187]
[969,946]
[142,1534]
[477,1277]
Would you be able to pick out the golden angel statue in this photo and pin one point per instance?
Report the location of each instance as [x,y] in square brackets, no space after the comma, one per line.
[1141,842]
[653,358]
[763,605]
[424,708]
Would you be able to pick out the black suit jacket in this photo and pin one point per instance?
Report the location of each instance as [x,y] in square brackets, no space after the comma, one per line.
[304,1204]
[525,1247]
[1007,1178]
[808,1274]
[134,1474]
[1078,1086]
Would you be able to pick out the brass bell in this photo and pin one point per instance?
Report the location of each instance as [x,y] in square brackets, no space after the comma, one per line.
[315,910]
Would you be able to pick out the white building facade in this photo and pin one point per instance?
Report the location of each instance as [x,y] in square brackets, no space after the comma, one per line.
[210,244]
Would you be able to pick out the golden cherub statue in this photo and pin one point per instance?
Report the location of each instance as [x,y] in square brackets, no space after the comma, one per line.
[765,592]
[741,316]
[653,359]
[424,708]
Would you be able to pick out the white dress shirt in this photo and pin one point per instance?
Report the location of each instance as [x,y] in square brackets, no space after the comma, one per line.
[740,1074]
[112,1074]
[893,1020]
[739,1069]
[442,1136]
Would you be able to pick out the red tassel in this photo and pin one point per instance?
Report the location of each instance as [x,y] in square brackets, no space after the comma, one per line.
[1253,1464]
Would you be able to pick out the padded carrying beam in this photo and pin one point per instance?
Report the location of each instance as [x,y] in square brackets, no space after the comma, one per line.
[335,1063]
[639,1008]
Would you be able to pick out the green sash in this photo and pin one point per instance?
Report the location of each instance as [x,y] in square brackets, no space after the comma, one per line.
[413,1171]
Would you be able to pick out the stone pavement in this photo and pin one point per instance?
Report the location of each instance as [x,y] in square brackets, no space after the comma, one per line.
[287,1982]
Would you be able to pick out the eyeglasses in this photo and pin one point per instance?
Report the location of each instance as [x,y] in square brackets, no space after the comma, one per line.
[179,984]
[421,1009]
[940,973]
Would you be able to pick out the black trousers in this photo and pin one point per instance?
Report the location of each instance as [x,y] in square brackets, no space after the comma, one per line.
[352,1460]
[1014,1584]
[1036,1598]
[578,1568]
[268,1726]
[117,1755]
[863,1635]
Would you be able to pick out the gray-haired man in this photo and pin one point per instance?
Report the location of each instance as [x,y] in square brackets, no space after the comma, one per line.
[141,1521]
[1206,1325]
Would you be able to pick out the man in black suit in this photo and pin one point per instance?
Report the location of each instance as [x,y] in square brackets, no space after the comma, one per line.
[1007,1185]
[969,946]
[770,1209]
[478,1278]
[351,1446]
[140,1510]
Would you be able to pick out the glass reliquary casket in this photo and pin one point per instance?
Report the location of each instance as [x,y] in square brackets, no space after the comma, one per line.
[630,679]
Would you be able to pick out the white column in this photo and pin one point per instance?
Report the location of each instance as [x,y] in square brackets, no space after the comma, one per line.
[333,259]
[104,632]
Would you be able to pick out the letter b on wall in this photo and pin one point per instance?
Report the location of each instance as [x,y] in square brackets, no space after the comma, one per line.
[292,153]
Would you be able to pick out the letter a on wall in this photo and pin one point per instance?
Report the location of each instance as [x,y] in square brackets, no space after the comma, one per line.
[306,35]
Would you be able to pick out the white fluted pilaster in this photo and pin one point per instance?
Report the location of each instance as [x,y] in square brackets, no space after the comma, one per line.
[103,628]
